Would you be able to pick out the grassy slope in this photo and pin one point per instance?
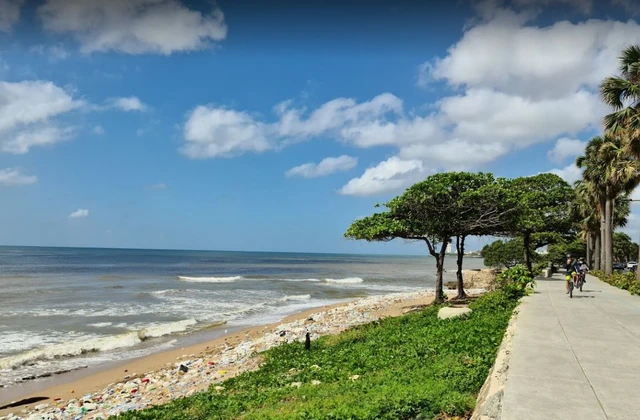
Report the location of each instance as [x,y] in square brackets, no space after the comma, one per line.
[410,366]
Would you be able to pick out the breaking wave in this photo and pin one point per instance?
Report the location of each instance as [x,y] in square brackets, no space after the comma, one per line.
[209,279]
[348,280]
[92,345]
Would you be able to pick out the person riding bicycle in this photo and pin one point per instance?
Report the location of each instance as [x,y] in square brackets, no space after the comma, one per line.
[571,268]
[583,269]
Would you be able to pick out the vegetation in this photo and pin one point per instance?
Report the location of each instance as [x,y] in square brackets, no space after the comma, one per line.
[414,366]
[516,281]
[443,206]
[620,154]
[542,204]
[624,249]
[503,254]
[626,281]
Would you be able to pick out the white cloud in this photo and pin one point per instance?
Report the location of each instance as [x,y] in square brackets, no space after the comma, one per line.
[570,173]
[9,14]
[131,103]
[327,166]
[80,213]
[55,52]
[566,148]
[515,84]
[159,186]
[214,132]
[29,115]
[12,177]
[134,26]
[390,175]
[98,129]
[553,61]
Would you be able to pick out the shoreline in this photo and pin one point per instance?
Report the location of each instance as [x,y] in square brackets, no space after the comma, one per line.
[156,378]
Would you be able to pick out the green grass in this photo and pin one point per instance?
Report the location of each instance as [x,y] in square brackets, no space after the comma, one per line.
[413,366]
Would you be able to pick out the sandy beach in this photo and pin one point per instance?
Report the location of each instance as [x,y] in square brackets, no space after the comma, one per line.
[160,377]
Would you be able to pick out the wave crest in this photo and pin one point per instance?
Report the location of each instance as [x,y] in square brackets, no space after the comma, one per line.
[348,280]
[94,345]
[209,279]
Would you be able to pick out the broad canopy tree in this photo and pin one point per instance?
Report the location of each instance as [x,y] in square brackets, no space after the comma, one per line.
[542,209]
[443,206]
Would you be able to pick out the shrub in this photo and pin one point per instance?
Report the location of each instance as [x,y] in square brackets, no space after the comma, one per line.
[625,281]
[516,282]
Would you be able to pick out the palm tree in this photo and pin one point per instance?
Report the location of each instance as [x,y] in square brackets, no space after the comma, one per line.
[594,185]
[587,220]
[622,93]
[609,172]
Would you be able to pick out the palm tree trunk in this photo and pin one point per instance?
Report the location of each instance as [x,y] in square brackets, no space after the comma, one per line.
[589,248]
[608,261]
[638,271]
[460,248]
[596,252]
[603,234]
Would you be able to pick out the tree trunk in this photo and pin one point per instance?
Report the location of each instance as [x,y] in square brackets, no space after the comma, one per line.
[526,239]
[460,248]
[596,252]
[439,272]
[608,256]
[589,248]
[603,234]
[638,260]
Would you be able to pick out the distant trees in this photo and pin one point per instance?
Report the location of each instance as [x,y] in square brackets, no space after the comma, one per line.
[503,254]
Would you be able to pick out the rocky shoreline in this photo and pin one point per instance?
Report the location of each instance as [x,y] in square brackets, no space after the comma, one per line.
[192,373]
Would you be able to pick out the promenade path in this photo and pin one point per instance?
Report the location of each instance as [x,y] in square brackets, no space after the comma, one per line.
[576,359]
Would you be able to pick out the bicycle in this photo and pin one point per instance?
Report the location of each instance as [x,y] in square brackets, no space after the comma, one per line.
[570,280]
[579,280]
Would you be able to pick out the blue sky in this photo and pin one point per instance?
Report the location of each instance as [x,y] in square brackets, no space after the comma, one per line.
[237,126]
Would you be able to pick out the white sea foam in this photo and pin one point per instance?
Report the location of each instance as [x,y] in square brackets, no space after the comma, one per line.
[294,297]
[348,280]
[94,344]
[101,324]
[299,280]
[209,279]
[166,329]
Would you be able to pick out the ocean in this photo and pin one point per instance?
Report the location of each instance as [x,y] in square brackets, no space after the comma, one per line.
[68,308]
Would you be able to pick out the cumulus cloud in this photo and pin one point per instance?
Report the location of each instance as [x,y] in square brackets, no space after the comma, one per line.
[12,177]
[566,148]
[570,173]
[390,175]
[78,214]
[134,26]
[131,103]
[212,132]
[327,166]
[514,84]
[29,115]
[9,14]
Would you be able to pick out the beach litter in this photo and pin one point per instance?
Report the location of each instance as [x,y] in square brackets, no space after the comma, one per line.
[196,373]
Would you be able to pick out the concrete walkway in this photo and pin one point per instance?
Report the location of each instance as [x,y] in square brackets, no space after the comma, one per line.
[576,359]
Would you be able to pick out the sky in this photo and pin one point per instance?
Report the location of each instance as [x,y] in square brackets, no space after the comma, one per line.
[271,126]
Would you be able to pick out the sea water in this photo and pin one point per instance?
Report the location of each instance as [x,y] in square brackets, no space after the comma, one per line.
[67,308]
